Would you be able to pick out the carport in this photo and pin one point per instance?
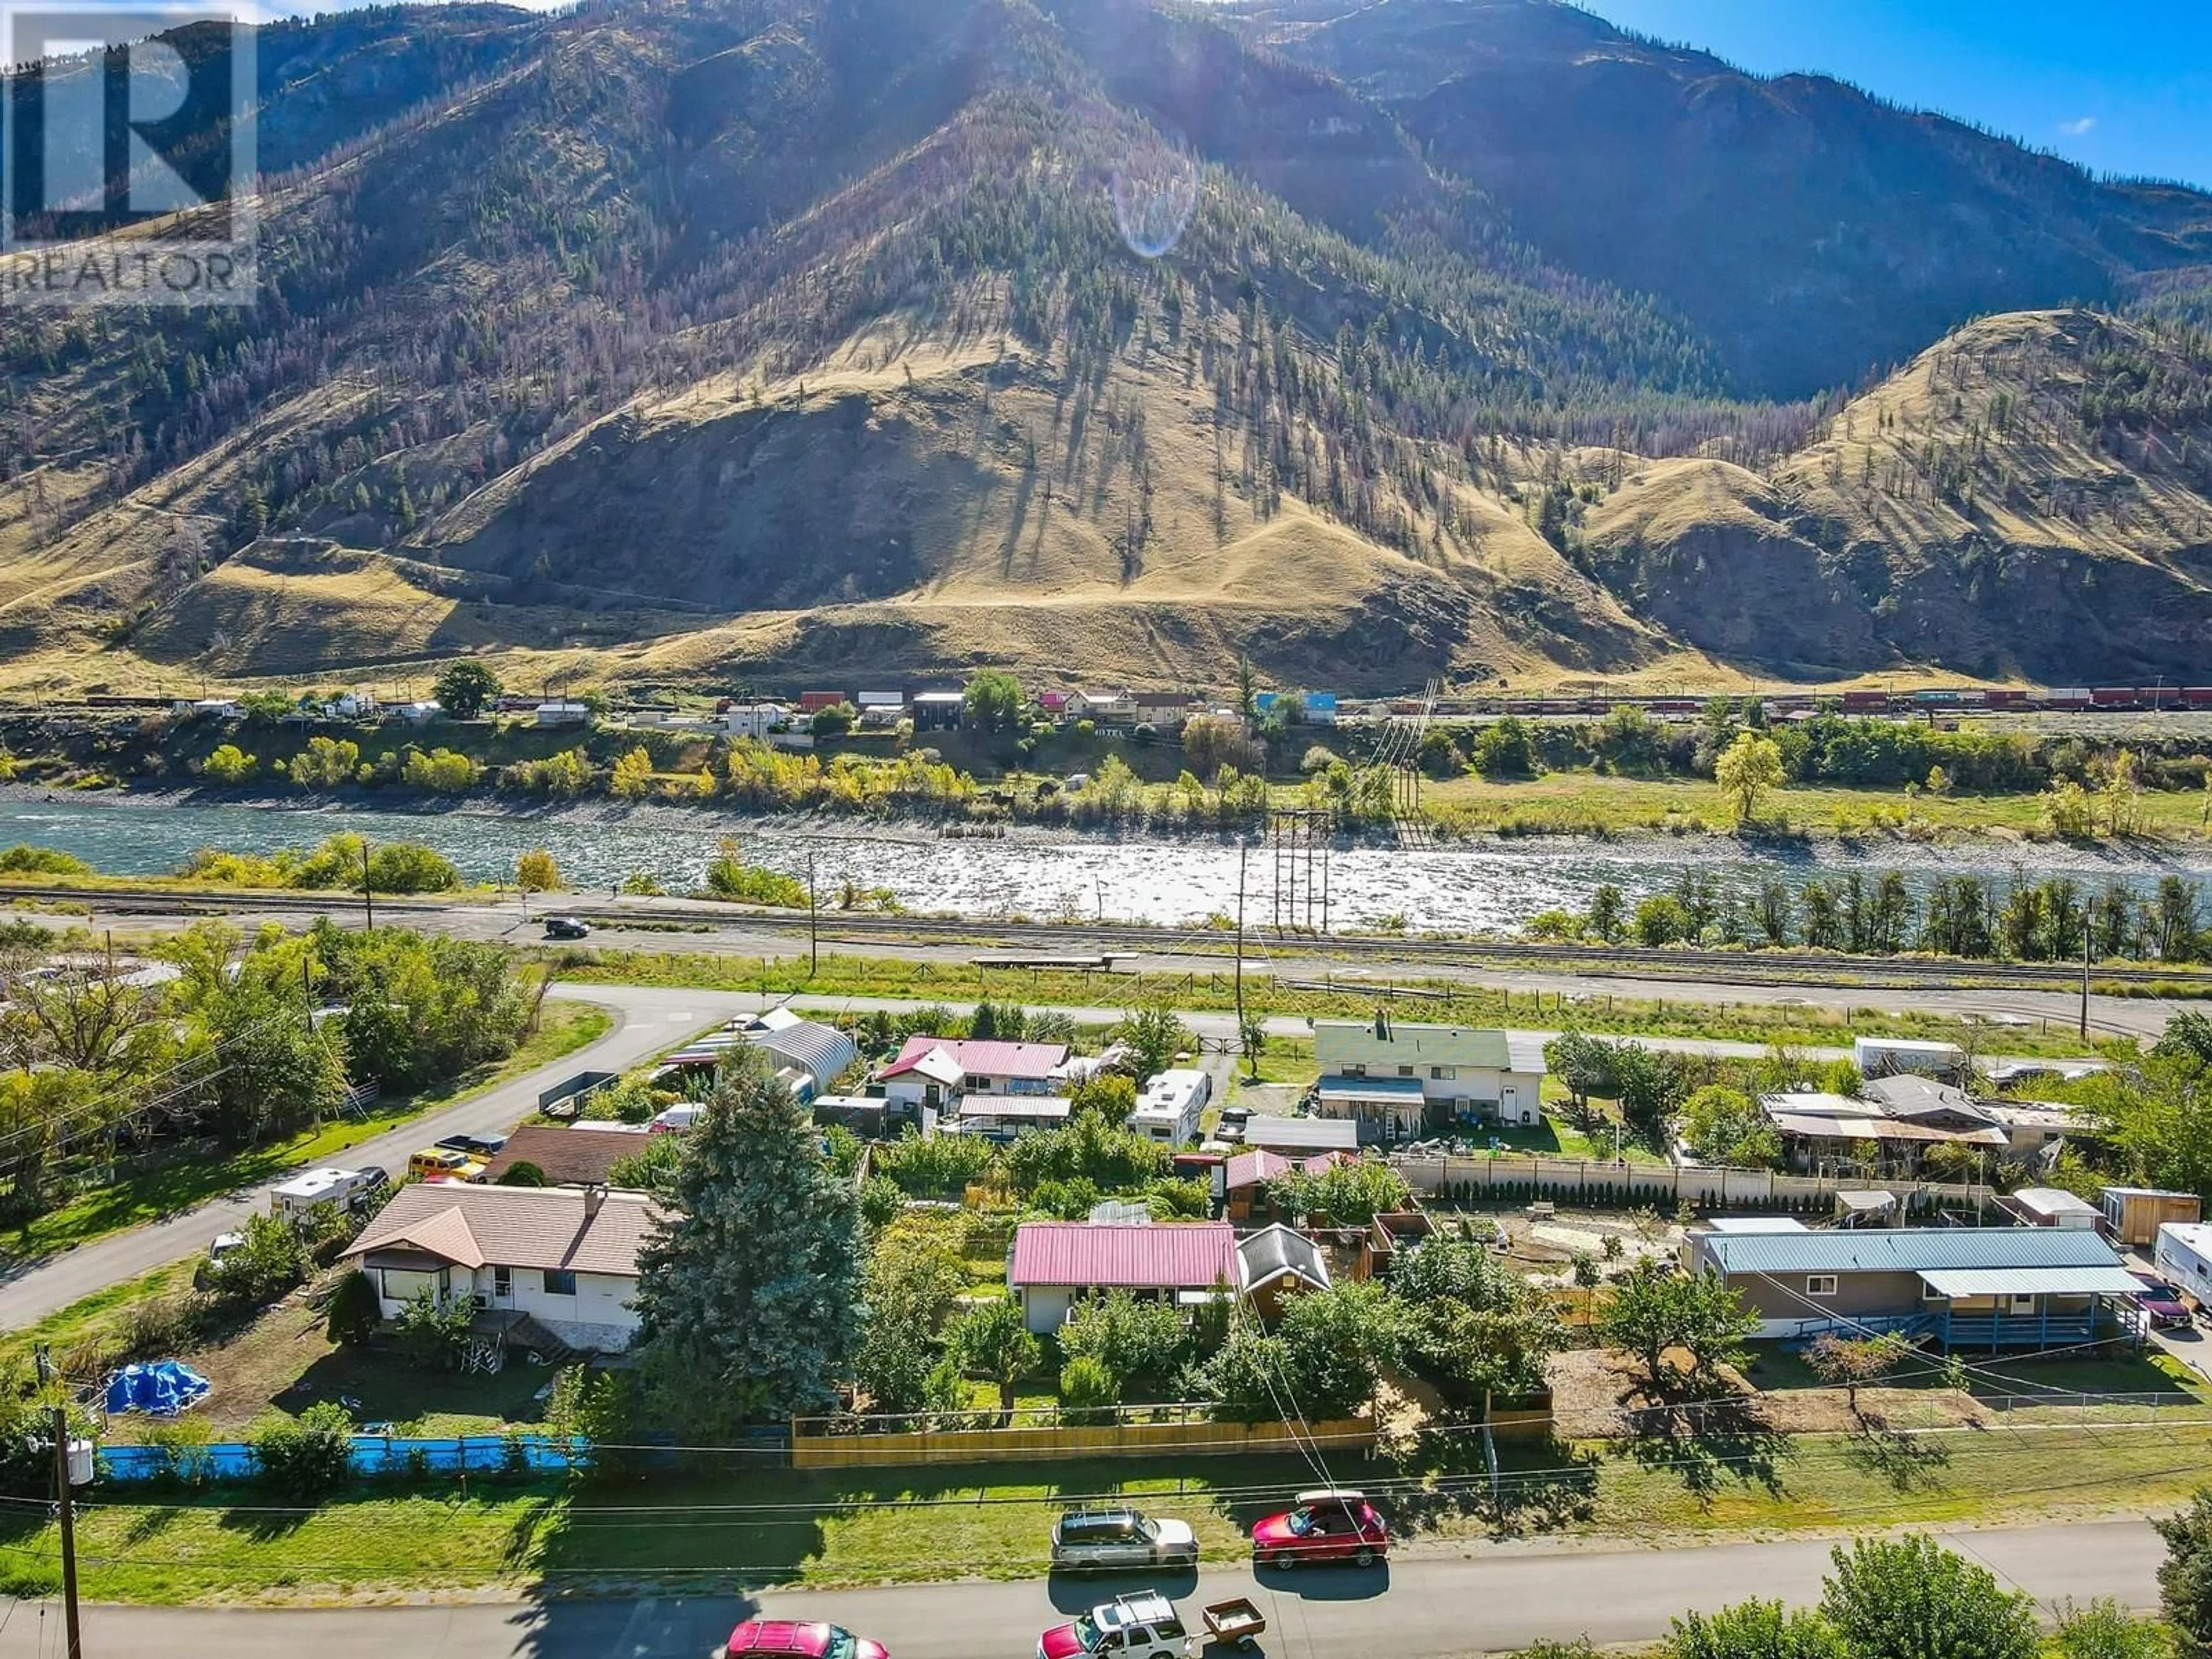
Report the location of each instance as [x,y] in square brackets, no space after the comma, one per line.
[2027,1307]
[1387,1109]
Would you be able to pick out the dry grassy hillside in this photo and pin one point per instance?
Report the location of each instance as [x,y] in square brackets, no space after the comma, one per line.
[2033,495]
[782,340]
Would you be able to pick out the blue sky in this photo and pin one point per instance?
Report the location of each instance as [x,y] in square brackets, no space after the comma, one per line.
[2124,86]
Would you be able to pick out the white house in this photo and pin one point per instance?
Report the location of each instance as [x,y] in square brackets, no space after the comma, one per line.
[1053,1265]
[1105,708]
[353,705]
[754,720]
[564,1258]
[930,1074]
[1387,1077]
[1169,1109]
[563,714]
[420,712]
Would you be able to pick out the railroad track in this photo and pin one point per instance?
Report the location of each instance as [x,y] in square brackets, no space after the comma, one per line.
[1811,968]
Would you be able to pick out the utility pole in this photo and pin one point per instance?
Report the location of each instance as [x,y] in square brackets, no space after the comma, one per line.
[367,897]
[813,938]
[2085,978]
[67,1511]
[1243,848]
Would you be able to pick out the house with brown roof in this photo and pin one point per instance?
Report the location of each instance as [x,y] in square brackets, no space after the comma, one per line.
[565,1157]
[562,1258]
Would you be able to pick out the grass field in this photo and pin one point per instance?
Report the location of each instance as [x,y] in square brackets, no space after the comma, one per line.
[176,1178]
[958,984]
[1586,803]
[749,1525]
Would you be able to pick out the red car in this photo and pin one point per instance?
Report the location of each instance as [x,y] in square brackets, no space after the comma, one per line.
[1326,1526]
[2161,1302]
[785,1638]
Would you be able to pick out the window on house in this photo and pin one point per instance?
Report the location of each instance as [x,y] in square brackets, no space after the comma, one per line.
[1442,1073]
[559,1281]
[1404,1071]
[1819,1284]
[1359,1070]
[1930,1293]
[502,1282]
[2023,1304]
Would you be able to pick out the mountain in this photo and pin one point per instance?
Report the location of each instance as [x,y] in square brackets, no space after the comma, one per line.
[1808,231]
[767,340]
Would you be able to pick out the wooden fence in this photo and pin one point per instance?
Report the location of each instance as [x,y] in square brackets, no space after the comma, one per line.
[1508,1178]
[818,1442]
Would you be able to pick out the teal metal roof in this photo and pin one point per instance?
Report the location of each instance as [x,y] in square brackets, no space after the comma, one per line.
[1909,1250]
[2033,1281]
[1395,1090]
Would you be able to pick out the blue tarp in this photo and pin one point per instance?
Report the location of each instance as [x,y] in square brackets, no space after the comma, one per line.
[161,1390]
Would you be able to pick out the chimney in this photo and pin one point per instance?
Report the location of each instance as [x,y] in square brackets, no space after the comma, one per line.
[594,1195]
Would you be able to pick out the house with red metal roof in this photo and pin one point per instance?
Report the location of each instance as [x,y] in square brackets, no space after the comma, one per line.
[1055,1264]
[932,1074]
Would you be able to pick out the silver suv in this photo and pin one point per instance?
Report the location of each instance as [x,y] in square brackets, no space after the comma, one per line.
[1103,1541]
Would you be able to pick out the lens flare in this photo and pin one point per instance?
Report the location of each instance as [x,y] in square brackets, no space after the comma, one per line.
[1155,191]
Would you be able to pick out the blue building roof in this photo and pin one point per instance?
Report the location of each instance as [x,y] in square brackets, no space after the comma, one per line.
[1909,1250]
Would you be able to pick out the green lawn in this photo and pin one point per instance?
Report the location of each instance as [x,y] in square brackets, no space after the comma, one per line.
[179,1178]
[749,1525]
[1585,803]
[98,1318]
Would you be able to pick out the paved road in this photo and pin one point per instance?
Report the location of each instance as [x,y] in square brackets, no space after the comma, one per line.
[648,1021]
[1427,1606]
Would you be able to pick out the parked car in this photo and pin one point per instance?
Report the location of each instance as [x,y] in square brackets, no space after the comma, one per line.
[2161,1301]
[485,1146]
[1103,1541]
[1326,1525]
[1141,1626]
[784,1638]
[674,1120]
[566,928]
[450,1163]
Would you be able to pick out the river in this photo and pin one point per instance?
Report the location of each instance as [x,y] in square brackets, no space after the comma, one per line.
[1473,887]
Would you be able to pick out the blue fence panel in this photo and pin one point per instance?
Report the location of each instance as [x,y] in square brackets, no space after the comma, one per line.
[372,1454]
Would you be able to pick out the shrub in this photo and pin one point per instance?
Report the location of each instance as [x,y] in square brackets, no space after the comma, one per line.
[1087,1390]
[431,1329]
[41,861]
[355,1311]
[307,1456]
[184,1441]
[271,1260]
[521,1173]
